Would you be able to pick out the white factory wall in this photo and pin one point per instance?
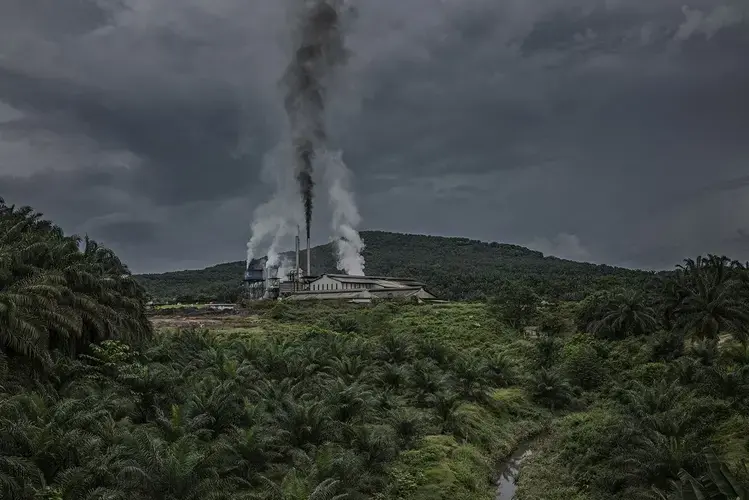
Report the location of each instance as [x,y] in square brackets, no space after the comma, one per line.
[325,283]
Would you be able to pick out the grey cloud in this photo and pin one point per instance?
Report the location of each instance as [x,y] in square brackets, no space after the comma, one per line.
[708,24]
[127,232]
[516,121]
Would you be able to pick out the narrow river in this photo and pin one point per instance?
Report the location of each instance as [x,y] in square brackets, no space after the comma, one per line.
[506,486]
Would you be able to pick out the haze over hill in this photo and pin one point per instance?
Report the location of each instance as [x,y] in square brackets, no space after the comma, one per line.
[453,268]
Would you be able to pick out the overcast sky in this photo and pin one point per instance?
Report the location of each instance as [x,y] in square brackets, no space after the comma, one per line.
[615,131]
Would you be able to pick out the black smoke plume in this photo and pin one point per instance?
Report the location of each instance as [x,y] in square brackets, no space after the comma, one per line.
[319,49]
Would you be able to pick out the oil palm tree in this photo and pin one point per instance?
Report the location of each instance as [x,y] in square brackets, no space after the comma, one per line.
[712,299]
[550,389]
[472,377]
[625,314]
[181,470]
[409,424]
[671,292]
[349,401]
[295,486]
[303,423]
[656,459]
[53,294]
[718,483]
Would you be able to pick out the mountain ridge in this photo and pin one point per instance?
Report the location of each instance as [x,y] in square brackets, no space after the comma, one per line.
[454,267]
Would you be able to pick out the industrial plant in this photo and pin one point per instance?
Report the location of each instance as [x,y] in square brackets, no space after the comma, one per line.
[270,282]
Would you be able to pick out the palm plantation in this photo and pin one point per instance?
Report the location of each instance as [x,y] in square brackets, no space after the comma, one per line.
[60,292]
[390,402]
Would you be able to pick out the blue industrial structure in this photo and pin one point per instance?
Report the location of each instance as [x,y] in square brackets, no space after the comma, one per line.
[264,282]
[254,275]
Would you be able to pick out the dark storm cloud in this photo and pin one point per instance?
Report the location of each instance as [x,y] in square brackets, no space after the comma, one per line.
[188,148]
[601,130]
[127,232]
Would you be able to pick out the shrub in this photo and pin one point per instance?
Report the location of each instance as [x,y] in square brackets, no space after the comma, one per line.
[649,373]
[553,324]
[345,324]
[439,469]
[582,363]
[515,304]
[547,352]
[281,311]
[667,346]
[592,441]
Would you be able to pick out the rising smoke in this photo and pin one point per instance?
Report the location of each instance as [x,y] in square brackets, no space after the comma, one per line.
[349,244]
[274,221]
[319,49]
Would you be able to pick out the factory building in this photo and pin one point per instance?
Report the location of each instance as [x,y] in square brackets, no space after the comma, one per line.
[362,289]
[264,283]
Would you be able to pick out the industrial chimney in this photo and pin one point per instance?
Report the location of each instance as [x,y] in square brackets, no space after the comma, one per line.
[298,249]
[309,259]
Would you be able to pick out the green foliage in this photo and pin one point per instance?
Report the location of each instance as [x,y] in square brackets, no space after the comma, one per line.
[592,440]
[582,362]
[453,268]
[539,472]
[667,345]
[321,415]
[588,310]
[516,304]
[550,389]
[623,314]
[59,292]
[553,324]
[708,296]
[547,352]
[315,401]
[346,324]
[281,311]
[439,468]
[718,483]
[658,397]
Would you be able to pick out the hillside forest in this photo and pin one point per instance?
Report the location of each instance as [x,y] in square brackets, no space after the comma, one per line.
[638,392]
[452,268]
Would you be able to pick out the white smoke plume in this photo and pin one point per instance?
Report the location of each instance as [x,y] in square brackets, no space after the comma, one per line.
[282,231]
[274,220]
[346,218]
[285,267]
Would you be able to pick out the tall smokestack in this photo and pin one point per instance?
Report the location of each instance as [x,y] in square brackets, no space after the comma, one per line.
[309,259]
[298,245]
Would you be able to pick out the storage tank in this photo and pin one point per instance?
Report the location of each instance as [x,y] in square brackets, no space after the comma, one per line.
[254,275]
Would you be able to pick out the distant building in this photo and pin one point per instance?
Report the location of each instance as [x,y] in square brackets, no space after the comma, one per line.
[362,289]
[222,307]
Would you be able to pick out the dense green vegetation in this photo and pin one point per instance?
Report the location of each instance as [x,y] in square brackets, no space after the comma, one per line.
[61,293]
[200,416]
[453,268]
[665,380]
[631,393]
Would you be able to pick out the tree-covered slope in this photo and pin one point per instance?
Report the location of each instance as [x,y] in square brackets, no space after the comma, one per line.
[454,268]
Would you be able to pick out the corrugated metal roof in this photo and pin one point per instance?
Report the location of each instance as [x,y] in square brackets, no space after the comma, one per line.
[400,292]
[404,292]
[330,295]
[386,280]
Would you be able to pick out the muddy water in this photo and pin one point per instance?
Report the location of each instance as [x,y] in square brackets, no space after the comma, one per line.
[506,486]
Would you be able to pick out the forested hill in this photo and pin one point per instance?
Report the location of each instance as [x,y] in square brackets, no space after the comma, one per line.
[453,268]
